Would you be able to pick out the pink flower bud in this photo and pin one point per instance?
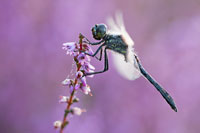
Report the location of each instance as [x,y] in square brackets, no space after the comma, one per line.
[71,88]
[57,124]
[79,74]
[89,50]
[63,99]
[70,47]
[86,89]
[81,58]
[77,86]
[77,111]
[87,67]
[67,82]
[83,81]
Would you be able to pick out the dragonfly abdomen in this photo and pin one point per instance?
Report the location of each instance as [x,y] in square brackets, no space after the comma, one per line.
[162,91]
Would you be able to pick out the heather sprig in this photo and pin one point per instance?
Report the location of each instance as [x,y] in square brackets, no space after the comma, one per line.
[83,65]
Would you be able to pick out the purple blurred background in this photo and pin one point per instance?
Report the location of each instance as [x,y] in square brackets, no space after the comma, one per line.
[33,64]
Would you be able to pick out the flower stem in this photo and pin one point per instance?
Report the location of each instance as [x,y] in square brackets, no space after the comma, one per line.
[80,41]
[66,113]
[70,101]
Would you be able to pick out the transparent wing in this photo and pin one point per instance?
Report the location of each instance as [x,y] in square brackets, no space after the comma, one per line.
[128,69]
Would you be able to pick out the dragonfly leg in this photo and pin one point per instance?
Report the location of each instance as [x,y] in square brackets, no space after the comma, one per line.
[94,55]
[100,55]
[105,65]
[92,43]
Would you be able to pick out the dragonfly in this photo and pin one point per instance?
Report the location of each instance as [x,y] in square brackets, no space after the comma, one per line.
[127,63]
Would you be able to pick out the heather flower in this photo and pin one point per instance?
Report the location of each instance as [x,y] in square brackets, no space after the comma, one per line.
[83,81]
[87,67]
[71,88]
[89,50]
[79,74]
[63,99]
[80,78]
[77,86]
[82,58]
[70,48]
[57,124]
[67,82]
[77,111]
[85,89]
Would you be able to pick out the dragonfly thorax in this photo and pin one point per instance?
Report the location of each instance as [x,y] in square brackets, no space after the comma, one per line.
[116,44]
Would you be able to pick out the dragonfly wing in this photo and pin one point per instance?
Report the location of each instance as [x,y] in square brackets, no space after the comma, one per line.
[117,27]
[127,68]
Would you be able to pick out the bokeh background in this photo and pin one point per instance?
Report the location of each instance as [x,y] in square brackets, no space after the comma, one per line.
[32,65]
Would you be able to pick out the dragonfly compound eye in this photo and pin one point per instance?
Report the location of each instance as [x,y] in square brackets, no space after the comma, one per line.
[99,31]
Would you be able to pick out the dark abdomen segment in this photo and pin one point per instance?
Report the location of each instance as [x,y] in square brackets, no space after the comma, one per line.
[162,91]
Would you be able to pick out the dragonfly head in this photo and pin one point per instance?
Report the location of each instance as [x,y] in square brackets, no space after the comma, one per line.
[99,31]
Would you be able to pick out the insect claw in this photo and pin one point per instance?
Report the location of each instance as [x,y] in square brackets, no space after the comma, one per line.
[84,74]
[87,74]
[97,58]
[86,42]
